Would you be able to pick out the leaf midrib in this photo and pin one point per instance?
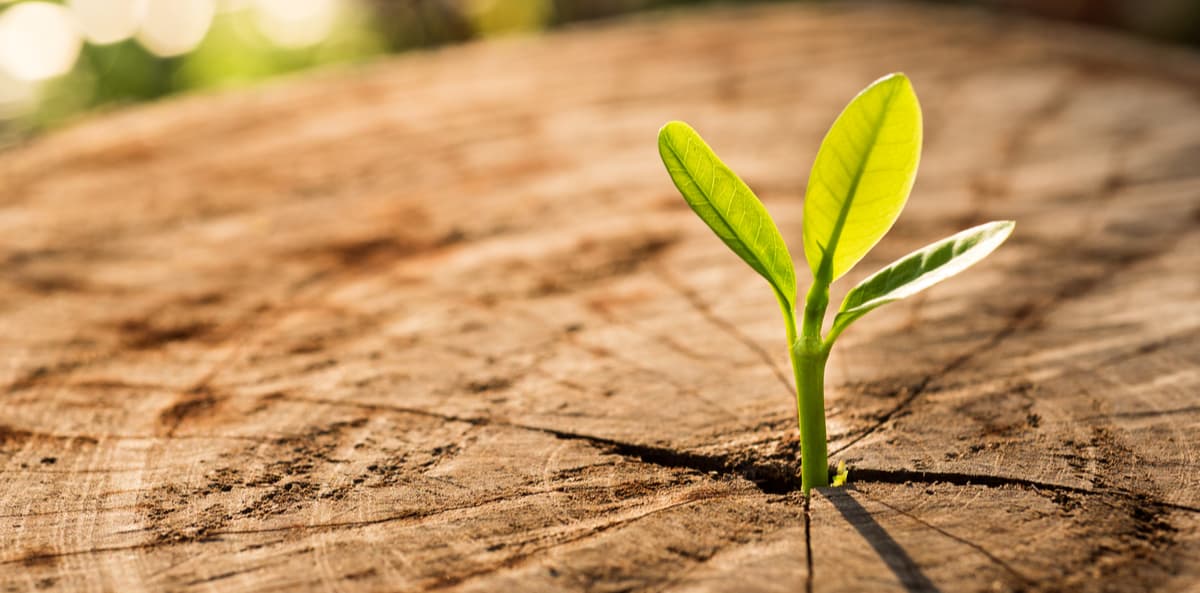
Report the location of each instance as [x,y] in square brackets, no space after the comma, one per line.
[825,270]
[717,211]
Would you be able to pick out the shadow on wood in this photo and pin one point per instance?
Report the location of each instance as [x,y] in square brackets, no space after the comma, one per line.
[889,550]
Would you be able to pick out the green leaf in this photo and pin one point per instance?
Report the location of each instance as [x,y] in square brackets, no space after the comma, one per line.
[862,176]
[920,270]
[726,204]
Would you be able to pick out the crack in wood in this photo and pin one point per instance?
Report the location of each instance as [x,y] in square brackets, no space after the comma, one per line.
[230,574]
[993,481]
[767,477]
[692,298]
[585,534]
[413,517]
[96,510]
[808,553]
[43,557]
[1029,314]
[659,376]
[902,476]
[1017,318]
[978,548]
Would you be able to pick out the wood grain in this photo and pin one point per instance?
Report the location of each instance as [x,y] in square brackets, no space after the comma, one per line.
[441,323]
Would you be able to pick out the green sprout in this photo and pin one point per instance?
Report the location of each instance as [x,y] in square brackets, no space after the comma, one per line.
[859,183]
[842,475]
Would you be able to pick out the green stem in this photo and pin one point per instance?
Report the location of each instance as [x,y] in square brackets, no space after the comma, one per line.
[810,403]
[808,355]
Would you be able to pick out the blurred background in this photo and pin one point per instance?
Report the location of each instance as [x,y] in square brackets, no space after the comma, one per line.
[60,60]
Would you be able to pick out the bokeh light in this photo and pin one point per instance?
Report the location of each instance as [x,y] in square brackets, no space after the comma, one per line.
[62,58]
[175,27]
[38,40]
[108,21]
[296,23]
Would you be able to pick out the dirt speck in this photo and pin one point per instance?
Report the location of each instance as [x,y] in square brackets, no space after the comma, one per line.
[361,575]
[489,384]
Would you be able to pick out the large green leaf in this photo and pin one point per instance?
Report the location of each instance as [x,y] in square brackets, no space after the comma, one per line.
[727,206]
[920,270]
[862,176]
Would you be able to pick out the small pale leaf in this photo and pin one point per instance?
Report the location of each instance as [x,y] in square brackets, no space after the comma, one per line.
[843,473]
[725,203]
[862,176]
[920,270]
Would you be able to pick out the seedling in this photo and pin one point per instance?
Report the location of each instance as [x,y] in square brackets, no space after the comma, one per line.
[859,183]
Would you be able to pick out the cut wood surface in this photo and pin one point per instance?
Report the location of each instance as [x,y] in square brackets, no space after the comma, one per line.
[442,323]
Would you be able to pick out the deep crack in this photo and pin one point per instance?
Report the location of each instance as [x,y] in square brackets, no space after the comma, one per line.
[769,475]
[770,478]
[901,476]
[808,555]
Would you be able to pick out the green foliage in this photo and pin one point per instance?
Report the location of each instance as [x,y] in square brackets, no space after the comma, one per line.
[861,177]
[725,203]
[860,182]
[920,270]
[233,54]
[510,16]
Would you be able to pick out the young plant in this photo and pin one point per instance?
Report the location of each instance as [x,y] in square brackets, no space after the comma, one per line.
[859,183]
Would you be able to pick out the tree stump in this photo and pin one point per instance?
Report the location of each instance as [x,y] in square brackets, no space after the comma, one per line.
[442,323]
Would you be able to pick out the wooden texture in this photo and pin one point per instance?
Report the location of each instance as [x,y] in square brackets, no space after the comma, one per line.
[443,324]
